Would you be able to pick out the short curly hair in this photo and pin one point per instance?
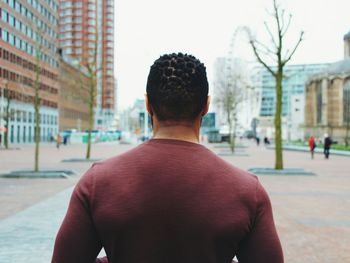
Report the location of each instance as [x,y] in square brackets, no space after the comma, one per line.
[177,87]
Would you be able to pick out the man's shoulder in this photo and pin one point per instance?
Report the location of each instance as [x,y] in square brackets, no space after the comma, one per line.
[199,158]
[153,149]
[119,159]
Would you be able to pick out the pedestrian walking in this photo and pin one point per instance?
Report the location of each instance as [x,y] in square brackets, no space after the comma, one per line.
[65,139]
[257,140]
[170,199]
[312,146]
[266,141]
[52,138]
[58,140]
[327,145]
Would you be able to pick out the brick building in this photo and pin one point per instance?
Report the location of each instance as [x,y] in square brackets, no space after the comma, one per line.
[26,27]
[74,96]
[82,25]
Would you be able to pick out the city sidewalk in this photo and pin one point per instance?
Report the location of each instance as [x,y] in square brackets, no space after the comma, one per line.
[28,236]
[311,212]
[32,210]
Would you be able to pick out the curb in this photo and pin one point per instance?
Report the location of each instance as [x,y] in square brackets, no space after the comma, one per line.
[40,174]
[286,171]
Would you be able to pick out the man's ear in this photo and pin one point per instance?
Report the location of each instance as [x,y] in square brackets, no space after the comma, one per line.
[148,106]
[206,107]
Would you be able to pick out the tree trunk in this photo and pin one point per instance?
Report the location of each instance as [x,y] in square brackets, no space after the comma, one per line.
[233,138]
[91,115]
[91,124]
[278,128]
[232,142]
[37,131]
[230,132]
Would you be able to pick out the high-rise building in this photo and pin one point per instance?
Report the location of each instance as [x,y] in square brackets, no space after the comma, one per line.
[83,25]
[77,29]
[28,29]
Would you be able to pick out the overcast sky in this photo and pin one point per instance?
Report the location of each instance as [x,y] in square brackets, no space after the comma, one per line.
[204,28]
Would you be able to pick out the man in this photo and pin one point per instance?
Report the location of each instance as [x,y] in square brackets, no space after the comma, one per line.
[327,145]
[170,199]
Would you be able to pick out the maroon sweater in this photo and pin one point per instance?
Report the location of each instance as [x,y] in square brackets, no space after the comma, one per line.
[168,201]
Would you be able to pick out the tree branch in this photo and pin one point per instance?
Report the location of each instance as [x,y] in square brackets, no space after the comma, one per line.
[281,17]
[277,17]
[270,33]
[268,54]
[267,49]
[284,30]
[260,59]
[295,48]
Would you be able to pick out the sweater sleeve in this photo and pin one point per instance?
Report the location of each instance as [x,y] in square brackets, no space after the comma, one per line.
[262,243]
[77,240]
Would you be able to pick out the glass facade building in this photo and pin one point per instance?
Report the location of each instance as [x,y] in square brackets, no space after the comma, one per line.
[293,84]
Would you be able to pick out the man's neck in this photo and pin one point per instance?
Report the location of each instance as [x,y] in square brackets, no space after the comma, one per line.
[177,132]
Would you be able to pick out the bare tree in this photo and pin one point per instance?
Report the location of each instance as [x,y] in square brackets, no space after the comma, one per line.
[88,91]
[92,70]
[228,95]
[275,51]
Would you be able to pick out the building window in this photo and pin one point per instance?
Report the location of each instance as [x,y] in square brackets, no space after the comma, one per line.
[29,134]
[24,134]
[18,134]
[11,20]
[346,102]
[5,35]
[24,115]
[4,15]
[319,102]
[18,115]
[12,133]
[12,114]
[12,39]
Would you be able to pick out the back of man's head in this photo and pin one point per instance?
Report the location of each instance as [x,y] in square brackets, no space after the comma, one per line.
[177,87]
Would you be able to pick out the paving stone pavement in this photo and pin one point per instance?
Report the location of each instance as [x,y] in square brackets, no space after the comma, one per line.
[28,236]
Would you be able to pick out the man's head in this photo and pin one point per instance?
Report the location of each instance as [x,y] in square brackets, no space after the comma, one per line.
[177,88]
